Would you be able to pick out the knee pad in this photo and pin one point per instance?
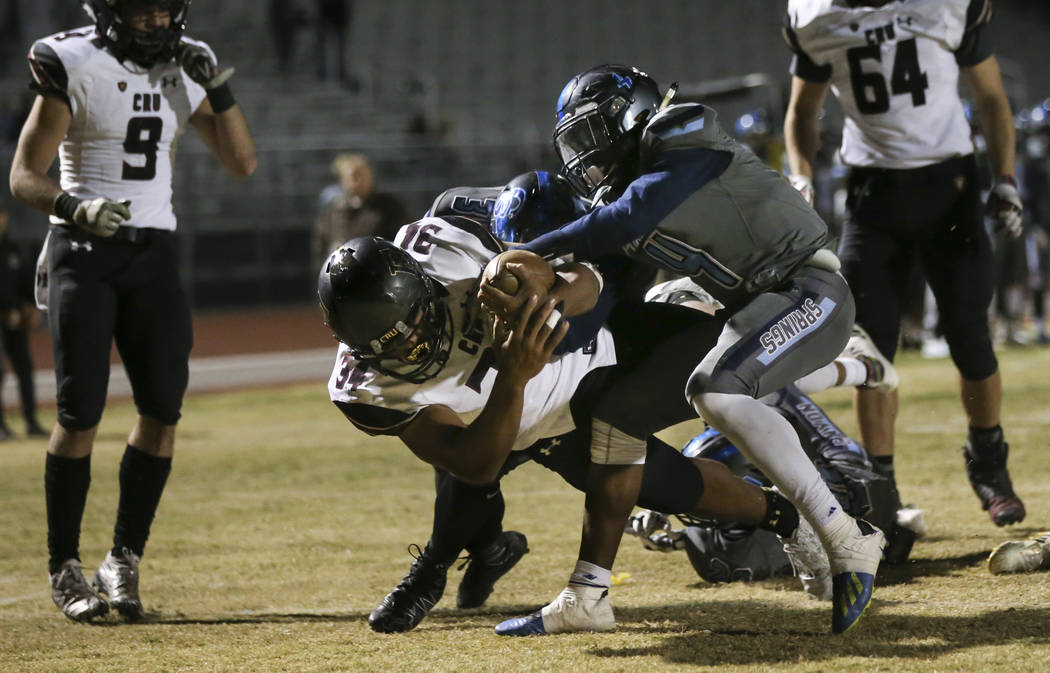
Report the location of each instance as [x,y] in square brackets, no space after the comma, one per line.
[971,348]
[610,446]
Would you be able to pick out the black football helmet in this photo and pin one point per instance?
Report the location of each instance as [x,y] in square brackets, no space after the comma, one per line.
[530,205]
[378,301]
[600,116]
[146,49]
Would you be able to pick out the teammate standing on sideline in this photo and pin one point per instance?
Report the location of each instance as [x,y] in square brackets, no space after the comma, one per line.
[112,99]
[913,192]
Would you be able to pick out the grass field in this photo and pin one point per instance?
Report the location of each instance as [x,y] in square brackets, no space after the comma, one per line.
[282,527]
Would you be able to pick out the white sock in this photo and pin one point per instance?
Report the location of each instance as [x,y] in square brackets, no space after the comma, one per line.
[856,372]
[588,575]
[819,379]
[765,438]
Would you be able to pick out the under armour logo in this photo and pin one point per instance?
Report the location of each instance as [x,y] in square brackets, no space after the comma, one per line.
[553,444]
[77,245]
[169,81]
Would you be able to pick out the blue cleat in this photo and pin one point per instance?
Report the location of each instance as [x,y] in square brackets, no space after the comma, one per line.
[522,626]
[854,564]
[852,595]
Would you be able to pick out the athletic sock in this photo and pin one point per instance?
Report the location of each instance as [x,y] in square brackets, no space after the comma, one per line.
[587,577]
[66,483]
[142,480]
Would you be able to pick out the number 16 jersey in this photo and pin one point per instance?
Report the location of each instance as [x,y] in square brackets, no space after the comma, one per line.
[125,122]
[895,71]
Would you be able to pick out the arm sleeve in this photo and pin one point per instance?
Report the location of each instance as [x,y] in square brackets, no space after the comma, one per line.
[975,45]
[801,64]
[645,203]
[49,74]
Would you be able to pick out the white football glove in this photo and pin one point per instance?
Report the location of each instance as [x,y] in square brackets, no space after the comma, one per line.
[101,216]
[646,522]
[1004,204]
[804,184]
[200,66]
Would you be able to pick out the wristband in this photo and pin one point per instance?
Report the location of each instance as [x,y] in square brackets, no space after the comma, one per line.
[221,98]
[66,206]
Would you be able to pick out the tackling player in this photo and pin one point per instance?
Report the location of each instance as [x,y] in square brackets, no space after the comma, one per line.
[112,98]
[673,190]
[913,192]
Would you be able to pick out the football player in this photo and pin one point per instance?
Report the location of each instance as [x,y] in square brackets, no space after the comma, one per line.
[914,192]
[674,190]
[417,361]
[112,98]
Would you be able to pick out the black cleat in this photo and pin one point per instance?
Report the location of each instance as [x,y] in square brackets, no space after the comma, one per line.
[986,468]
[411,600]
[486,568]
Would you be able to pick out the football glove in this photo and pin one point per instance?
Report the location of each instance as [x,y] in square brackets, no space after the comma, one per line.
[101,216]
[200,66]
[1004,204]
[804,184]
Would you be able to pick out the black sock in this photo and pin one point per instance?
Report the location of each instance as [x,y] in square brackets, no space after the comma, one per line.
[466,516]
[66,482]
[781,516]
[885,499]
[142,479]
[986,437]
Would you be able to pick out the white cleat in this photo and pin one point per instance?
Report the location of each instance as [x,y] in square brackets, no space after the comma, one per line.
[881,373]
[809,560]
[854,563]
[575,609]
[1021,556]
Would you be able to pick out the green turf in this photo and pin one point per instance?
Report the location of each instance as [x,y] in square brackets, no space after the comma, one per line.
[282,527]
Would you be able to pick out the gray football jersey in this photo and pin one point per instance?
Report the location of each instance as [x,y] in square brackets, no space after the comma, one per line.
[742,232]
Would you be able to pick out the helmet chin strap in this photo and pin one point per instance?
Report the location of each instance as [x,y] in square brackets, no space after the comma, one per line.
[671,91]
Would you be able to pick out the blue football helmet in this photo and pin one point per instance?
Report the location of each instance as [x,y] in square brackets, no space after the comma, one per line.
[600,116]
[531,205]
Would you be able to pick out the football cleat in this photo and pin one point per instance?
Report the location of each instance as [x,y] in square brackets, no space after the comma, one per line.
[882,375]
[575,609]
[73,595]
[410,601]
[1021,556]
[485,569]
[853,567]
[809,560]
[986,469]
[118,579]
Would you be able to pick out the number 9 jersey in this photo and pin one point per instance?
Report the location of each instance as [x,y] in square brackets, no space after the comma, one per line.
[125,122]
[895,71]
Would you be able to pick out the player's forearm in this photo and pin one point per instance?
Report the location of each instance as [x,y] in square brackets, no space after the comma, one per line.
[997,125]
[801,142]
[481,448]
[34,189]
[576,288]
[235,145]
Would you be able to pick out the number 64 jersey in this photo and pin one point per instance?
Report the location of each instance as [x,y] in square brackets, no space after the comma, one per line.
[895,71]
[126,120]
[454,252]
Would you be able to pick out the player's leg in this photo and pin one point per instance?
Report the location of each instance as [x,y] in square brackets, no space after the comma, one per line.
[83,310]
[154,336]
[16,344]
[768,344]
[959,268]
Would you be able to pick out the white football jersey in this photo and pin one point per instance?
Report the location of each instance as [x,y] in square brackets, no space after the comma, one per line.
[454,253]
[126,122]
[895,71]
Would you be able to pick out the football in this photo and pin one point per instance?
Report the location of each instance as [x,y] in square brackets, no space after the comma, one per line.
[534,272]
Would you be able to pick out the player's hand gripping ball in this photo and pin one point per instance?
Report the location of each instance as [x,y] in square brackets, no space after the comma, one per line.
[510,278]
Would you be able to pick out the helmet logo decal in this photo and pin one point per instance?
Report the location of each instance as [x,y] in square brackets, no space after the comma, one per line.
[509,203]
[563,97]
[623,81]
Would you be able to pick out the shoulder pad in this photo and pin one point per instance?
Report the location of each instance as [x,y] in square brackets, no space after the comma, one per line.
[802,12]
[693,122]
